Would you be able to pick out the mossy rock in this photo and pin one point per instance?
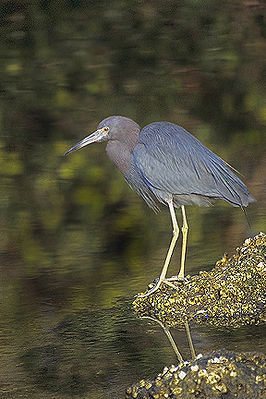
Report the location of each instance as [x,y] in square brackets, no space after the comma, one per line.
[219,374]
[231,294]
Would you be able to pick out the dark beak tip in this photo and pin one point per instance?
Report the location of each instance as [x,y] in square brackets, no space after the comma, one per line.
[72,149]
[82,143]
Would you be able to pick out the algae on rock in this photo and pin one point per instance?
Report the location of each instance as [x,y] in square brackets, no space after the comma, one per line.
[231,294]
[216,374]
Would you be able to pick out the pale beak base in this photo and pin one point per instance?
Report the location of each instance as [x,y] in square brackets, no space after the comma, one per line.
[96,137]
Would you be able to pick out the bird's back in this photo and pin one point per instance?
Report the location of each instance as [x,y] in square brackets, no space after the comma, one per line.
[173,163]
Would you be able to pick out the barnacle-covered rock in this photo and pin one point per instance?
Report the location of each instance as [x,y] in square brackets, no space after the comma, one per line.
[213,375]
[231,294]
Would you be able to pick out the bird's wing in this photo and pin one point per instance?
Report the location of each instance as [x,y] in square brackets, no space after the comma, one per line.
[171,159]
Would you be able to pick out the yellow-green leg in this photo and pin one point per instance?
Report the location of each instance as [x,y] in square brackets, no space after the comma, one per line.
[170,250]
[191,345]
[184,229]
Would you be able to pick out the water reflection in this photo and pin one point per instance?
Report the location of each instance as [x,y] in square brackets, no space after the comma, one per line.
[98,352]
[171,339]
[91,352]
[206,375]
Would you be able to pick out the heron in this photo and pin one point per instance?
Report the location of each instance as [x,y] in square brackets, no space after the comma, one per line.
[166,164]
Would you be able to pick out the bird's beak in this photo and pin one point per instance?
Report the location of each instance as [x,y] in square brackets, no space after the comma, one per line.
[96,137]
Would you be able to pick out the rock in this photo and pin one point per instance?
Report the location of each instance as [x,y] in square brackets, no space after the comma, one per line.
[231,294]
[219,374]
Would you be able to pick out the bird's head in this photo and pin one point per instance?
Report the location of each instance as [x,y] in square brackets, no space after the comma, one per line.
[112,128]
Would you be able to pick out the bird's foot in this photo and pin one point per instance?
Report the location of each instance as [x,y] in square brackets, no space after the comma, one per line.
[151,291]
[167,282]
[180,277]
[156,287]
[173,278]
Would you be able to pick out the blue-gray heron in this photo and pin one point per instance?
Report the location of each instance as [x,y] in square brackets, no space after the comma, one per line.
[164,162]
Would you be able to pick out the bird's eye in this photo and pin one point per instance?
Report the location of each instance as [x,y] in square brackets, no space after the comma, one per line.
[106,129]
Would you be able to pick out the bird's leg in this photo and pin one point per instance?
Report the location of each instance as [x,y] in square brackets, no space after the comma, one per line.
[184,229]
[170,251]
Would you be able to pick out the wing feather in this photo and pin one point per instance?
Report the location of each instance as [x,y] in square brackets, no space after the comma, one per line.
[172,160]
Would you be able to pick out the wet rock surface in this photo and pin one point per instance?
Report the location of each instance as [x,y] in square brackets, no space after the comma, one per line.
[219,374]
[231,294]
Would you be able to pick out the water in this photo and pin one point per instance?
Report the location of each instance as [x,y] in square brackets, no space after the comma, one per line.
[76,243]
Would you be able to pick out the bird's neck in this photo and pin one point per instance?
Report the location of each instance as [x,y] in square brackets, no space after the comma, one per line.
[120,151]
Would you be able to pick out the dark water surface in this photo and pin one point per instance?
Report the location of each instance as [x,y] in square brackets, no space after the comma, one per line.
[76,243]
